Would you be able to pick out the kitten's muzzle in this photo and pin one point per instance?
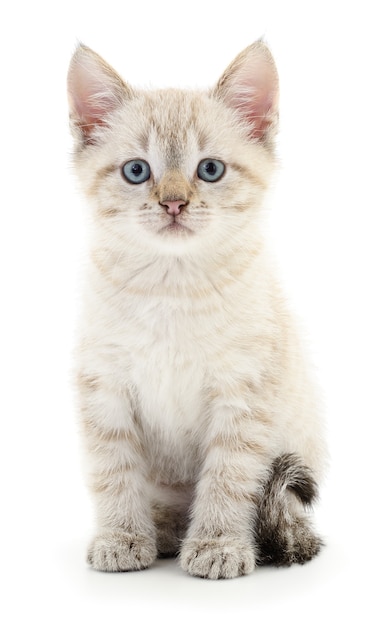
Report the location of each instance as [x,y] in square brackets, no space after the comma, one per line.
[173,192]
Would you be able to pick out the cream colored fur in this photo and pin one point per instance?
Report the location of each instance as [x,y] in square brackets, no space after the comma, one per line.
[190,373]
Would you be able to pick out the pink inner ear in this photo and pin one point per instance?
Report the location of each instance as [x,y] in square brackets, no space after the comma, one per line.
[251,87]
[91,109]
[93,93]
[257,105]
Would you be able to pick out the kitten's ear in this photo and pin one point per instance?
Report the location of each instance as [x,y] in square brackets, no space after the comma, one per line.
[94,91]
[250,86]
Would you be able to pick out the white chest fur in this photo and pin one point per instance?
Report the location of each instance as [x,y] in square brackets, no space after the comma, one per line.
[168,376]
[168,346]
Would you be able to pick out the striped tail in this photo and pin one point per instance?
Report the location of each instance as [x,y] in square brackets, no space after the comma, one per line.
[283,530]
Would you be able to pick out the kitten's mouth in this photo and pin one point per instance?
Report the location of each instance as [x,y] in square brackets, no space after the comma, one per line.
[176,227]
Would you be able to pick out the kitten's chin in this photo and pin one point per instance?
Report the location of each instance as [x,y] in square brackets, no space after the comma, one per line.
[174,238]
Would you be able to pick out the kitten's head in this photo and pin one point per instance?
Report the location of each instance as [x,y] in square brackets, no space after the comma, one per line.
[175,171]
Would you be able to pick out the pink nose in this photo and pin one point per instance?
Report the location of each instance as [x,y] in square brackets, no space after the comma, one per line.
[174,207]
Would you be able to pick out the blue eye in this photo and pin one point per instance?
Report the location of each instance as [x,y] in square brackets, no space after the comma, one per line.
[210,170]
[136,171]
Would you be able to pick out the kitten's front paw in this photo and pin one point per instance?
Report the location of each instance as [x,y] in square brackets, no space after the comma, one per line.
[217,558]
[118,551]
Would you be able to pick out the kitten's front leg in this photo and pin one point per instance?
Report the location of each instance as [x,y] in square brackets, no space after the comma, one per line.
[126,538]
[219,542]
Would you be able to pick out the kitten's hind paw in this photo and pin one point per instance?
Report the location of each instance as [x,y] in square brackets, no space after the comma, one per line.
[119,551]
[217,558]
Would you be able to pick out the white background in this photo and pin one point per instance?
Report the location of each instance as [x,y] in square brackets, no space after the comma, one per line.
[322,230]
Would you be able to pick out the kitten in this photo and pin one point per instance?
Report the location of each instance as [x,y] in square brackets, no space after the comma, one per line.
[200,424]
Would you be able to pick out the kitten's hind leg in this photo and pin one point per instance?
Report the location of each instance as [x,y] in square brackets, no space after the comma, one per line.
[171,526]
[284,534]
